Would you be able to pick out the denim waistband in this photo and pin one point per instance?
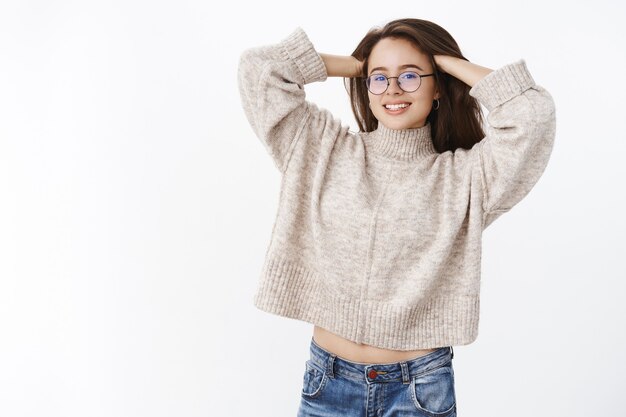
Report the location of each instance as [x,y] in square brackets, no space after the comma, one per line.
[401,371]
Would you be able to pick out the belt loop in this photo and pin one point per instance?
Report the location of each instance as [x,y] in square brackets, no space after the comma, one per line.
[405,372]
[330,364]
[452,352]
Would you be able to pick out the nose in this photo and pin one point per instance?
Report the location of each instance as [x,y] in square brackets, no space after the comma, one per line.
[394,87]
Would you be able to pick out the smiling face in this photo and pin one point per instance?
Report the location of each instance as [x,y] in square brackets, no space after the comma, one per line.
[391,57]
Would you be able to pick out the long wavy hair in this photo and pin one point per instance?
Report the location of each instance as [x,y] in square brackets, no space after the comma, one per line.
[458,121]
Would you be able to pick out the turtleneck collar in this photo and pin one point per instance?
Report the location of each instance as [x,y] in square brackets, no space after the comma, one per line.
[401,144]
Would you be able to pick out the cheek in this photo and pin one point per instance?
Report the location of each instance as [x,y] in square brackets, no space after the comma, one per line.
[424,100]
[374,102]
[430,92]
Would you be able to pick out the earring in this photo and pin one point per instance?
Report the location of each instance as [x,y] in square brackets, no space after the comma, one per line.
[437,104]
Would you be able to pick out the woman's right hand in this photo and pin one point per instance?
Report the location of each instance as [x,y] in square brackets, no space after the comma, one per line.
[358,67]
[342,65]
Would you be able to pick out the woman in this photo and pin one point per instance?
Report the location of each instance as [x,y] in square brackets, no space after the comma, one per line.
[377,239]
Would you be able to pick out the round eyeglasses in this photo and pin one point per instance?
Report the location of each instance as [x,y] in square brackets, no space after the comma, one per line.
[408,81]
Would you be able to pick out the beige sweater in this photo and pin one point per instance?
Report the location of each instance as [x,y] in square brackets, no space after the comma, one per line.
[377,236]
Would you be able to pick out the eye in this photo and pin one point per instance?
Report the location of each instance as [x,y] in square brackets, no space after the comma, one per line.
[378,77]
[409,75]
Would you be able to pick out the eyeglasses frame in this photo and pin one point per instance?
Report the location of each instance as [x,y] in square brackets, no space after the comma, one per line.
[399,85]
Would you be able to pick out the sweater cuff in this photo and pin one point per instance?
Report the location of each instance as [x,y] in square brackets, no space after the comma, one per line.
[502,84]
[298,48]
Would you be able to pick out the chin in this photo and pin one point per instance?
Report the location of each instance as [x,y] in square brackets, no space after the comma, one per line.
[399,124]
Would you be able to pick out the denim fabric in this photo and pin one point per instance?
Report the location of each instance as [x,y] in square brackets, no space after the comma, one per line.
[420,387]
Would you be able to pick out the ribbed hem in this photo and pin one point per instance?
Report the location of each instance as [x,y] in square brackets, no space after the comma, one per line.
[299,48]
[502,84]
[401,144]
[291,290]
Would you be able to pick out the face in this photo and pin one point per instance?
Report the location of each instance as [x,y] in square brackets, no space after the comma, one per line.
[391,57]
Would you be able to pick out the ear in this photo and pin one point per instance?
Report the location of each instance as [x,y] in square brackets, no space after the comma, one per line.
[436,95]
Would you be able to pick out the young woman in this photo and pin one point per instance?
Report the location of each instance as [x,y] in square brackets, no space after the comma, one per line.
[377,239]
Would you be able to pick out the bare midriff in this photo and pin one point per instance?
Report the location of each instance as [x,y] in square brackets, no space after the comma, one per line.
[360,353]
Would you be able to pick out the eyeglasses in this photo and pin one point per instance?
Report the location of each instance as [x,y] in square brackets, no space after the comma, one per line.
[408,81]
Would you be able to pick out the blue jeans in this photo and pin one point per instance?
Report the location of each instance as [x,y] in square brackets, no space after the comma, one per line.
[421,387]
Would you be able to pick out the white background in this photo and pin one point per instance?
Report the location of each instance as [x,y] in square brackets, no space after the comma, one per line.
[136,205]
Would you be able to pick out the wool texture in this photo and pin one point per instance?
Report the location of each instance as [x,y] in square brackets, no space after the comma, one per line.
[377,237]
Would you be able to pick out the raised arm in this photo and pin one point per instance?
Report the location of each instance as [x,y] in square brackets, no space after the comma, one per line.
[271,84]
[520,133]
[466,71]
[342,65]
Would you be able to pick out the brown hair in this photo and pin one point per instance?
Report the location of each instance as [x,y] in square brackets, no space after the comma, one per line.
[458,120]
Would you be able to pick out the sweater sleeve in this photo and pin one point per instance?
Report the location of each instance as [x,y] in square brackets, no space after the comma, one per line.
[271,85]
[519,138]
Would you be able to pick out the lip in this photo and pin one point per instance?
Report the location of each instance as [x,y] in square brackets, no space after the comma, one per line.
[397,102]
[399,111]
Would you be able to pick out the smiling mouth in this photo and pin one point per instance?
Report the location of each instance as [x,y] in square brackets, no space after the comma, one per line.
[396,108]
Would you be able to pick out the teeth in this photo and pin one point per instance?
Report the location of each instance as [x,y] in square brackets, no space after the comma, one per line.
[396,106]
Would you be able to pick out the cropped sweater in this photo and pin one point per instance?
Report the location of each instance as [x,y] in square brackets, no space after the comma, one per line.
[377,236]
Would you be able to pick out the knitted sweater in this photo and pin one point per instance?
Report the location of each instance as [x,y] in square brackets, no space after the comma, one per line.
[377,237]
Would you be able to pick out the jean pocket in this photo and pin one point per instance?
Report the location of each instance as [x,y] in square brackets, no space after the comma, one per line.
[433,392]
[314,380]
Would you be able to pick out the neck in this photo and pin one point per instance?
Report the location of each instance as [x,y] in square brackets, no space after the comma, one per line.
[401,144]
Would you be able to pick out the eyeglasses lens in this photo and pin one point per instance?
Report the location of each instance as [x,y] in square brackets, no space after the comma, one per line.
[408,81]
[377,83]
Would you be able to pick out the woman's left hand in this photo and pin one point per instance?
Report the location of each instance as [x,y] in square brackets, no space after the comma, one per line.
[462,69]
[440,61]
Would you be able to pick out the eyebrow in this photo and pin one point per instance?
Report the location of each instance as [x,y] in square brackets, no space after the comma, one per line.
[400,67]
